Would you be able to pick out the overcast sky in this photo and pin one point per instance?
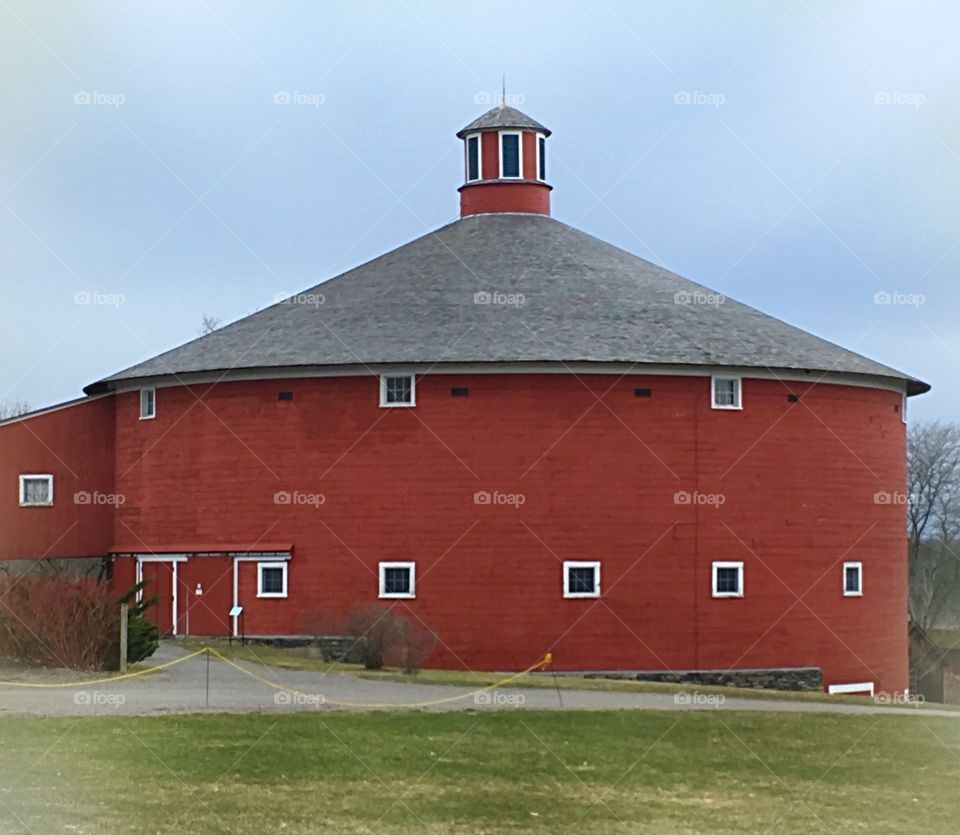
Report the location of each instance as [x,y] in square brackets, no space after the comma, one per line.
[798,156]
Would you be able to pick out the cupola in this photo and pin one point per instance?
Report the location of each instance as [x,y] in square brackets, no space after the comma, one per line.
[504,164]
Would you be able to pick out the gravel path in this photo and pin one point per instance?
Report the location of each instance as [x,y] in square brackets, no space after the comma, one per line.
[183,688]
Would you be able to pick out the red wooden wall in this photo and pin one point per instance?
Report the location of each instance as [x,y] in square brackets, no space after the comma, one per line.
[798,482]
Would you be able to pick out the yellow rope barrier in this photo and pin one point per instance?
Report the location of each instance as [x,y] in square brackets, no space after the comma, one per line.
[543,662]
[428,703]
[105,680]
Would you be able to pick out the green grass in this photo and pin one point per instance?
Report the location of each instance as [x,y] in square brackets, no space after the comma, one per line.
[302,659]
[506,772]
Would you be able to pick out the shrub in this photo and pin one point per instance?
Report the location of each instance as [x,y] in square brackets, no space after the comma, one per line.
[143,637]
[384,638]
[57,621]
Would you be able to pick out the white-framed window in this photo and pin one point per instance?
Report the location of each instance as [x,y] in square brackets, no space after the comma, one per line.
[853,579]
[725,392]
[728,579]
[36,490]
[474,160]
[511,155]
[541,157]
[398,390]
[148,403]
[272,579]
[398,579]
[581,579]
[903,408]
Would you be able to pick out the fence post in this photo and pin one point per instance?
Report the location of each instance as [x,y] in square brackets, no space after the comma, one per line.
[124,613]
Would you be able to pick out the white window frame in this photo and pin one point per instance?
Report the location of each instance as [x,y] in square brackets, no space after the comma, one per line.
[716,572]
[538,137]
[843,579]
[143,392]
[282,564]
[383,391]
[466,157]
[412,567]
[903,408]
[739,391]
[567,565]
[23,497]
[519,135]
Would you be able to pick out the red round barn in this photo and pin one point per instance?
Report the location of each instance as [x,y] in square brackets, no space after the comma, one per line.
[517,436]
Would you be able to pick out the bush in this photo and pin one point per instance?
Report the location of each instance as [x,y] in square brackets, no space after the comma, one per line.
[143,637]
[387,639]
[62,622]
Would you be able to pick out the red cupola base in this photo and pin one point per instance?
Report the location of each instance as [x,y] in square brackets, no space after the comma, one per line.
[487,196]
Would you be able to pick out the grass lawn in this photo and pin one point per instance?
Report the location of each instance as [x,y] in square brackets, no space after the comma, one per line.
[303,659]
[504,772]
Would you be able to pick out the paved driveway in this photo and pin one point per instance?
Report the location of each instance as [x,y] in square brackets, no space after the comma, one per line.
[184,688]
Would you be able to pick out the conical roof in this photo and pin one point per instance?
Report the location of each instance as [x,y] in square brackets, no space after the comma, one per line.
[503,116]
[564,297]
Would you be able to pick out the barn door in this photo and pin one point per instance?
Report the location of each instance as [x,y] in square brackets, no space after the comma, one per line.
[160,584]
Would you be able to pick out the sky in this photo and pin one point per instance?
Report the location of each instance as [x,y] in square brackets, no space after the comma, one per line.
[162,162]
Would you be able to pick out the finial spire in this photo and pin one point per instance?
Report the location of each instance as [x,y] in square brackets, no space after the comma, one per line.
[503,91]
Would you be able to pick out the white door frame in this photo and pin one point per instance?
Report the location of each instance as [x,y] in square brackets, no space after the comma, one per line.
[248,557]
[171,558]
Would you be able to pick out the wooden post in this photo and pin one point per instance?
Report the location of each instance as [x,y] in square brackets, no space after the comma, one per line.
[124,614]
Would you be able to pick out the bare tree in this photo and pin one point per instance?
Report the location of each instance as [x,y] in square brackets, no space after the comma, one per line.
[208,324]
[13,408]
[933,518]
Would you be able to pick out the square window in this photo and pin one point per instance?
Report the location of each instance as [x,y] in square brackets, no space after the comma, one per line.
[398,390]
[725,392]
[148,404]
[36,490]
[397,579]
[581,579]
[510,165]
[271,579]
[728,579]
[853,579]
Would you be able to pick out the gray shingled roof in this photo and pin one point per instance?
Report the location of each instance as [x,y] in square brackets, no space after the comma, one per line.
[584,300]
[503,116]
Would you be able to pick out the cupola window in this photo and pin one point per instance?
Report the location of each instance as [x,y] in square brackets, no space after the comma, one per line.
[541,156]
[510,165]
[473,158]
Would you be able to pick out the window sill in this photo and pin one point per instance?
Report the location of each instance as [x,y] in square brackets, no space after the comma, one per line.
[385,596]
[275,595]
